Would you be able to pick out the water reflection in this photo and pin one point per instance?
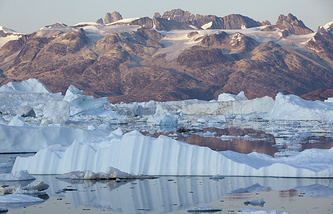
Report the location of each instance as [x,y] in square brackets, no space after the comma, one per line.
[167,194]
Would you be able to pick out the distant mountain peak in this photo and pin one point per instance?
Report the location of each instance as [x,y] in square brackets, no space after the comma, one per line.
[112,17]
[293,25]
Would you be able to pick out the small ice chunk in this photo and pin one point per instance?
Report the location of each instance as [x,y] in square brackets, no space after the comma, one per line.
[19,198]
[257,211]
[118,133]
[22,175]
[56,112]
[203,209]
[231,97]
[217,177]
[169,121]
[40,186]
[255,202]
[16,121]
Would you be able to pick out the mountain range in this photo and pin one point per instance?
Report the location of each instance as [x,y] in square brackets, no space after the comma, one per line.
[174,56]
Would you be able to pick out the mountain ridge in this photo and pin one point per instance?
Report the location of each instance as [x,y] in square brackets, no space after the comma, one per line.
[131,60]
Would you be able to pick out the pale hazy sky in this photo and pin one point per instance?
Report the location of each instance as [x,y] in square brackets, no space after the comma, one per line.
[30,15]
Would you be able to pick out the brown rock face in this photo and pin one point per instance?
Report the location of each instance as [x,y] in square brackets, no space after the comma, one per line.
[291,24]
[322,43]
[114,16]
[100,21]
[233,21]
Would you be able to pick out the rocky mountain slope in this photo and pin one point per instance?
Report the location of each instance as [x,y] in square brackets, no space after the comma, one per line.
[174,56]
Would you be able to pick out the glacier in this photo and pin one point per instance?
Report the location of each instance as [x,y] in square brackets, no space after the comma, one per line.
[137,154]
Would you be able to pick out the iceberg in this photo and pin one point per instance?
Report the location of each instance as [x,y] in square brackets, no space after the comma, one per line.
[231,97]
[31,139]
[21,175]
[292,107]
[83,104]
[31,85]
[137,154]
[263,104]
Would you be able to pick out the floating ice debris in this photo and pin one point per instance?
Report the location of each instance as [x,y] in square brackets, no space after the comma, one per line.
[39,186]
[3,210]
[257,211]
[111,173]
[217,177]
[19,198]
[7,190]
[21,175]
[204,209]
[255,202]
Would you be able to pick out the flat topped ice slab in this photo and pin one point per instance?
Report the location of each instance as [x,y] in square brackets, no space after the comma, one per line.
[138,154]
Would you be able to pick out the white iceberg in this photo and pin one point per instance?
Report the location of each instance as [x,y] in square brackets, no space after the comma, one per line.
[39,186]
[21,175]
[292,107]
[32,139]
[29,86]
[56,112]
[224,97]
[137,154]
[83,104]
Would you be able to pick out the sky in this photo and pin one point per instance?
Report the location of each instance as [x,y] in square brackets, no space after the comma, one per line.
[27,16]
